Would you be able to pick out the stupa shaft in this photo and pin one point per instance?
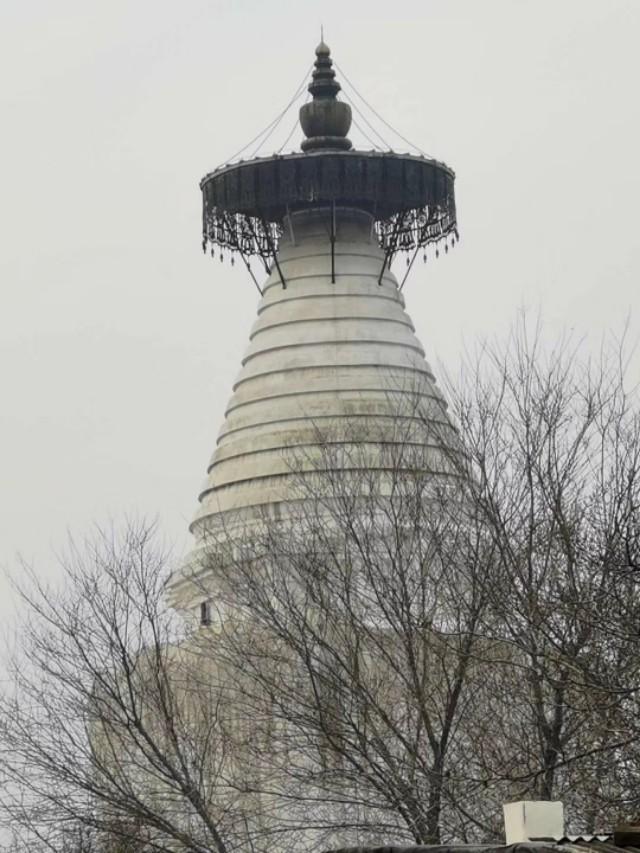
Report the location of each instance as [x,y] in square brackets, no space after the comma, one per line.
[332,360]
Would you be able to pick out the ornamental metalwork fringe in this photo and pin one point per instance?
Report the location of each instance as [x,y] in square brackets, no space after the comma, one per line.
[251,236]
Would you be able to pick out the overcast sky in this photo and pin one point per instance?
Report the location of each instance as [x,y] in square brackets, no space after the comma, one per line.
[119,340]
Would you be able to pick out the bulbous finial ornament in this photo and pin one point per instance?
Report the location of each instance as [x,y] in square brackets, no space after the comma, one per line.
[325,120]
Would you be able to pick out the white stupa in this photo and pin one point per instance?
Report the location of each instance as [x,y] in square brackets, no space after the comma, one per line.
[332,345]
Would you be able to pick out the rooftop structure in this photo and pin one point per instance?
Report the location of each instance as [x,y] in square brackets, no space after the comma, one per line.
[604,843]
[333,348]
[532,827]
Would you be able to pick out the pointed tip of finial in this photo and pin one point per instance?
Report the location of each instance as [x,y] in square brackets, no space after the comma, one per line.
[322,49]
[323,82]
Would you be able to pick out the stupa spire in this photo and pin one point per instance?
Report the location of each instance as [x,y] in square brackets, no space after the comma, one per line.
[325,120]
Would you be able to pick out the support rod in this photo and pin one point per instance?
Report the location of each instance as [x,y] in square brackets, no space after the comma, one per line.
[392,245]
[406,275]
[248,266]
[333,242]
[273,253]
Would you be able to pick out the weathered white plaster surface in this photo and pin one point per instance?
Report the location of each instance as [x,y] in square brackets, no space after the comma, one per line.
[322,357]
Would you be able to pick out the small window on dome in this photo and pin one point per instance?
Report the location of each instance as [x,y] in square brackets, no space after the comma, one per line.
[205,613]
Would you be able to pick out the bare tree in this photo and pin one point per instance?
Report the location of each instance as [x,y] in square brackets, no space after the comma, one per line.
[438,626]
[552,444]
[109,726]
[356,626]
[444,615]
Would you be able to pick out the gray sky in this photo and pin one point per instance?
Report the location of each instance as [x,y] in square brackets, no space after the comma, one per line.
[119,340]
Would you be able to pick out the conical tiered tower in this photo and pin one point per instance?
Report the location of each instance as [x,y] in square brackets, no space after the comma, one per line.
[333,350]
